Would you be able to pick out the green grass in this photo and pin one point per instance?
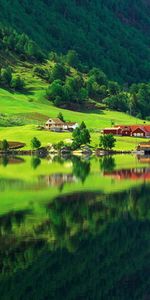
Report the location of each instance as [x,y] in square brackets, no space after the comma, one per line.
[33,108]
[25,133]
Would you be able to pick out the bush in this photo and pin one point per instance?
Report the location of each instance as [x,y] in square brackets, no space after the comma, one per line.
[17,83]
[72,58]
[6,76]
[4,145]
[107,141]
[57,73]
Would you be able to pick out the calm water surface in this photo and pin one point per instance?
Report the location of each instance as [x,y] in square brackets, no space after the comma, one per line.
[75,228]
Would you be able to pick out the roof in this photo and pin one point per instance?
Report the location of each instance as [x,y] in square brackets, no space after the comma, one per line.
[142,145]
[112,128]
[143,127]
[70,123]
[56,121]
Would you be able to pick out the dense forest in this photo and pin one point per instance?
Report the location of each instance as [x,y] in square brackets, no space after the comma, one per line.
[90,54]
[113,35]
[69,83]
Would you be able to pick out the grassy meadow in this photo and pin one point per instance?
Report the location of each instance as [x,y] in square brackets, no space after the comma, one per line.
[32,109]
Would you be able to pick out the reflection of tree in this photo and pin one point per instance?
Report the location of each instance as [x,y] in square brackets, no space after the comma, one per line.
[107,163]
[81,168]
[70,219]
[5,161]
[8,221]
[110,265]
[35,162]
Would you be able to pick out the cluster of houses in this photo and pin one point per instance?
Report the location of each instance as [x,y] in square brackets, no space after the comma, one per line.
[131,130]
[57,125]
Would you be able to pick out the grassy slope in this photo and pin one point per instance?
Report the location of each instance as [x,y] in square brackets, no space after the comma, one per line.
[33,107]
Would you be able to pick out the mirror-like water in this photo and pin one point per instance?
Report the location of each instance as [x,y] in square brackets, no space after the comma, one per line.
[75,228]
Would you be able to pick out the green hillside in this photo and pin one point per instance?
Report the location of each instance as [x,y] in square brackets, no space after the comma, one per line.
[113,35]
[39,78]
[21,112]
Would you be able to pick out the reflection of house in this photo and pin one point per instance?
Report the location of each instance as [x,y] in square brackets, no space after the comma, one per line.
[132,174]
[131,130]
[58,125]
[59,179]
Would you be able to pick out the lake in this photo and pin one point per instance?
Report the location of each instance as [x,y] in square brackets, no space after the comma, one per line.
[75,228]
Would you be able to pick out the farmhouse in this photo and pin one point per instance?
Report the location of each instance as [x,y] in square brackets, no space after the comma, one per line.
[130,130]
[58,126]
[54,124]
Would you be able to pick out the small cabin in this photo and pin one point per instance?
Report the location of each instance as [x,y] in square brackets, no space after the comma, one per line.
[144,147]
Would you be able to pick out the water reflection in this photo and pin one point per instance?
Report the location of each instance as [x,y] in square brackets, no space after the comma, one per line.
[5,160]
[132,174]
[108,235]
[107,163]
[35,162]
[70,236]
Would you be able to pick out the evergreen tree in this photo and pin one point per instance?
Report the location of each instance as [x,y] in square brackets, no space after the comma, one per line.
[4,145]
[35,143]
[61,117]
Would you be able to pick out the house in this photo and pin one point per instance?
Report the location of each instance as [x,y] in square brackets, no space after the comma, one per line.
[70,126]
[57,125]
[113,130]
[129,130]
[54,124]
[144,147]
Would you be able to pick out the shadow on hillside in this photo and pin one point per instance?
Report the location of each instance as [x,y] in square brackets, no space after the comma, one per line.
[93,111]
[24,91]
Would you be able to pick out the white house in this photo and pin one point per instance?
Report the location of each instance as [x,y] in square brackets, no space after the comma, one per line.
[58,125]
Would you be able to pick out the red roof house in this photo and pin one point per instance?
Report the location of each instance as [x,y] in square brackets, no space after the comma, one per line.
[129,130]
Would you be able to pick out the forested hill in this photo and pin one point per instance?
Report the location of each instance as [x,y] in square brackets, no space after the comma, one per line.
[111,34]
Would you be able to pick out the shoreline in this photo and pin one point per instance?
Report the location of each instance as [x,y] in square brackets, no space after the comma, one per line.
[43,152]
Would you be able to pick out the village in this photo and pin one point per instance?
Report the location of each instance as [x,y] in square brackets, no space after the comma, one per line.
[81,139]
[135,131]
[57,125]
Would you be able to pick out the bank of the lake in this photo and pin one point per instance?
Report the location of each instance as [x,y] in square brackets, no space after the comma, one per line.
[24,134]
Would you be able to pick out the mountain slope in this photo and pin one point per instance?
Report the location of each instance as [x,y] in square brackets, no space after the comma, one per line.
[111,34]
